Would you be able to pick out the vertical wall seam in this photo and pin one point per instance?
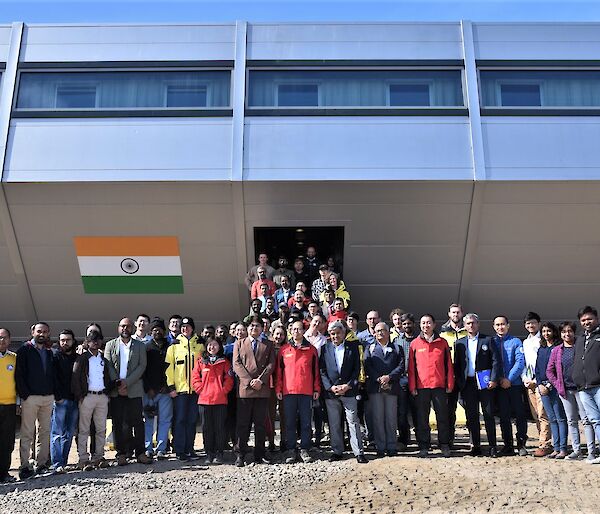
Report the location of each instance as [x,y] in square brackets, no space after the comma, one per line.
[7,94]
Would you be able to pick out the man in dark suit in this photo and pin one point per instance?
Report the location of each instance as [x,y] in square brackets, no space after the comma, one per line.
[253,363]
[339,367]
[472,354]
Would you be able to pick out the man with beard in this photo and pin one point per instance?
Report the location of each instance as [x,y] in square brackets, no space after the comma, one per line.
[283,271]
[34,377]
[127,360]
[66,413]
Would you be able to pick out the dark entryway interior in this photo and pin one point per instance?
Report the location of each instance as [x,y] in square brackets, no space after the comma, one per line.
[293,242]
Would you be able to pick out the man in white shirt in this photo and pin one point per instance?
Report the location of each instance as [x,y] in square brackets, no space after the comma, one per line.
[531,345]
[142,322]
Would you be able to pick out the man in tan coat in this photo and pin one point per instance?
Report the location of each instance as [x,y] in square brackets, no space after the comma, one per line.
[253,363]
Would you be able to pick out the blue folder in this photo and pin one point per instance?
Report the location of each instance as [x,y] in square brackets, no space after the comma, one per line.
[483,378]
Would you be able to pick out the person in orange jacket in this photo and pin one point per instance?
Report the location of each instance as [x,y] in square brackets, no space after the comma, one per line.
[430,378]
[298,383]
[212,379]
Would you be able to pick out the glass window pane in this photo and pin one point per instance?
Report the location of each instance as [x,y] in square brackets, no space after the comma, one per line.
[409,95]
[355,88]
[123,90]
[298,95]
[545,88]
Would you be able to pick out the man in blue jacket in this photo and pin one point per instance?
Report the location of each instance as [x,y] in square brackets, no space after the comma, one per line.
[510,393]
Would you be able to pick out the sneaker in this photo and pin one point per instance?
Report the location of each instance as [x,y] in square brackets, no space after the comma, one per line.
[218,459]
[85,466]
[595,461]
[590,459]
[523,451]
[262,460]
[290,456]
[40,470]
[423,453]
[161,455]
[193,456]
[574,455]
[59,470]
[142,458]
[101,463]
[446,450]
[25,473]
[122,460]
[305,456]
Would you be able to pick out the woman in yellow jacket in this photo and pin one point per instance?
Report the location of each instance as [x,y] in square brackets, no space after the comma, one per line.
[181,358]
[340,289]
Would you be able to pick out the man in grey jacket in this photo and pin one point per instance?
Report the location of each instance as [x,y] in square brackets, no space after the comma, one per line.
[126,359]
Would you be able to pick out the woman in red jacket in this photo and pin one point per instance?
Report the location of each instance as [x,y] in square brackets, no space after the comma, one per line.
[212,379]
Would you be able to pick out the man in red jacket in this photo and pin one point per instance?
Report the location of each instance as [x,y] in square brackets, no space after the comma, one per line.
[298,384]
[430,378]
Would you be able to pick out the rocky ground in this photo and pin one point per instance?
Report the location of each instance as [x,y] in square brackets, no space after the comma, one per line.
[399,484]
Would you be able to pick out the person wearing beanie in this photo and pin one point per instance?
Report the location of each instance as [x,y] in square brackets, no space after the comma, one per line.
[180,359]
[157,402]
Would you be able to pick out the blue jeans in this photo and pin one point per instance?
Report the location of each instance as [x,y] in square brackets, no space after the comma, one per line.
[557,418]
[65,416]
[591,403]
[295,405]
[164,404]
[574,410]
[185,407]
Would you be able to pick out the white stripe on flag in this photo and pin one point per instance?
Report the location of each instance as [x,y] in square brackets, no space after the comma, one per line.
[130,265]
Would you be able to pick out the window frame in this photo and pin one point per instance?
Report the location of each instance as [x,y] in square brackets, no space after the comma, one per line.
[533,66]
[519,82]
[163,111]
[298,82]
[387,110]
[398,82]
[206,85]
[74,86]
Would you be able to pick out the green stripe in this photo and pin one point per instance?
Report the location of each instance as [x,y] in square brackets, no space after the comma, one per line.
[133,285]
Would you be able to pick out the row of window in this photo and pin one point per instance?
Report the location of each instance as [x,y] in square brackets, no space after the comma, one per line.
[302,89]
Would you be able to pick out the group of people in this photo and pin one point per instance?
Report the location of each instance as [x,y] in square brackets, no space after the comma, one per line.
[298,357]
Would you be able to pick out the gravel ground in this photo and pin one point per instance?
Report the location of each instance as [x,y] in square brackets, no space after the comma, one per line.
[404,483]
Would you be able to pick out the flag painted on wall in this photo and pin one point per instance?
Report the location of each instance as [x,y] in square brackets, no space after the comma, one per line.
[129,265]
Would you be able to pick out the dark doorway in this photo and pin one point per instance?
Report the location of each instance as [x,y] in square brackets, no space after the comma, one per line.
[293,242]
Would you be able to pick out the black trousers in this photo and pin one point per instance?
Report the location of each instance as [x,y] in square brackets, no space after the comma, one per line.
[251,411]
[472,398]
[128,425]
[8,424]
[452,404]
[424,399]
[511,404]
[214,432]
[406,404]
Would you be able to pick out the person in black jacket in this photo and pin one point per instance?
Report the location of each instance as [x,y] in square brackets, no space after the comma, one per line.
[339,367]
[34,376]
[65,414]
[472,354]
[586,367]
[157,402]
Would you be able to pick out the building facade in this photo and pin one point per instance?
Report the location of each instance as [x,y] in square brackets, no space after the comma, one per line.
[460,161]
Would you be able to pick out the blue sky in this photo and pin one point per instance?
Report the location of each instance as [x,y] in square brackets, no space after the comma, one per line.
[75,11]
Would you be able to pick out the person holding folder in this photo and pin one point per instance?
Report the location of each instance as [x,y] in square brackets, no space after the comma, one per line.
[476,371]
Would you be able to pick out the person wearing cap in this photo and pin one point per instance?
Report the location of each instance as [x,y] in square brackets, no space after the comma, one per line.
[319,285]
[126,364]
[157,402]
[90,384]
[181,358]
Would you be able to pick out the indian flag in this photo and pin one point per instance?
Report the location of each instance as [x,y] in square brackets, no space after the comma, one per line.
[129,265]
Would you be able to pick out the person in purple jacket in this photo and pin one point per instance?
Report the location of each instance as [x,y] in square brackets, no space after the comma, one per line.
[560,375]
[550,399]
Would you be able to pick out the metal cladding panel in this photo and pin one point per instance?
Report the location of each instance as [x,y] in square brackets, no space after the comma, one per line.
[5,32]
[357,148]
[118,149]
[47,216]
[66,43]
[330,41]
[543,41]
[542,148]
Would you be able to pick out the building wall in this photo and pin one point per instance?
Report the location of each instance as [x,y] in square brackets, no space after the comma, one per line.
[493,211]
